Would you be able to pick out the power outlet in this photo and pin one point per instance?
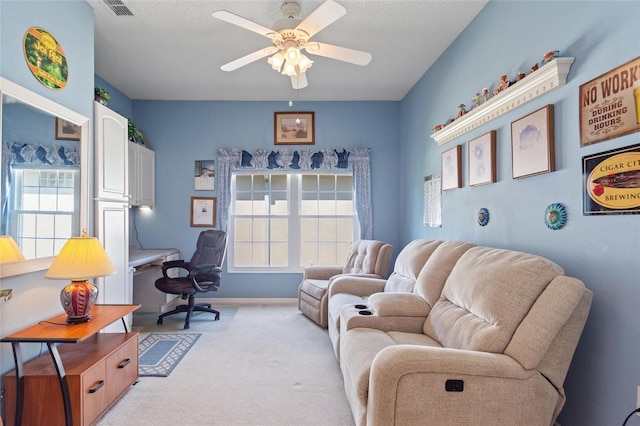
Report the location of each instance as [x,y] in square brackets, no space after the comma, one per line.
[638,402]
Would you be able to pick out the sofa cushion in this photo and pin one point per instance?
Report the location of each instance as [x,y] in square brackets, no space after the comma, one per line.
[368,257]
[408,265]
[487,295]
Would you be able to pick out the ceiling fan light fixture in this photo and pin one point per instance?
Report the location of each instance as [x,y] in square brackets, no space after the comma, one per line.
[289,69]
[304,63]
[276,61]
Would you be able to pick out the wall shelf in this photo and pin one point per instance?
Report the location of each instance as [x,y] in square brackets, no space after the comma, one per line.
[546,78]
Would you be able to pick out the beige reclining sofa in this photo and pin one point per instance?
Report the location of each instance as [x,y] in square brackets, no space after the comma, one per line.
[367,258]
[485,339]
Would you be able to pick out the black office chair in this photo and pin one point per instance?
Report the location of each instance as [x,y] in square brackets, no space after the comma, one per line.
[204,270]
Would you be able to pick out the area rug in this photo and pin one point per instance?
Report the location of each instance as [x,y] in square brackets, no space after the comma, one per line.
[160,353]
[200,321]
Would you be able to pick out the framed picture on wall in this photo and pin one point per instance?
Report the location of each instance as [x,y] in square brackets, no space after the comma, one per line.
[204,175]
[67,131]
[532,145]
[482,159]
[293,128]
[452,168]
[203,212]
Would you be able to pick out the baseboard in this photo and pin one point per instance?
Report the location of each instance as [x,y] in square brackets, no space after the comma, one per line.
[235,301]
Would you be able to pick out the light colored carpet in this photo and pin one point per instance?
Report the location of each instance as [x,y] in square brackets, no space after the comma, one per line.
[272,366]
[200,321]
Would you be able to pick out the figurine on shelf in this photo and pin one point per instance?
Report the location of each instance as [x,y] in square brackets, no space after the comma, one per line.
[476,100]
[485,95]
[503,83]
[462,111]
[521,75]
[438,127]
[534,67]
[550,56]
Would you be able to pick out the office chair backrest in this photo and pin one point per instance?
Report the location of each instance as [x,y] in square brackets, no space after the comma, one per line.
[210,248]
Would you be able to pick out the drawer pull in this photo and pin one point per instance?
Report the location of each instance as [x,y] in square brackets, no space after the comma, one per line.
[97,387]
[125,363]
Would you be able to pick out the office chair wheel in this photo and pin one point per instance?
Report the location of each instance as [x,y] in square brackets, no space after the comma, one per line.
[159,322]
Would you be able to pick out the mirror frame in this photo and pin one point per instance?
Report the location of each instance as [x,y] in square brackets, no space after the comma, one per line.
[47,105]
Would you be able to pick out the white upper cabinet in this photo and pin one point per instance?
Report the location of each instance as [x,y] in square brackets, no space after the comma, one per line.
[142,175]
[111,155]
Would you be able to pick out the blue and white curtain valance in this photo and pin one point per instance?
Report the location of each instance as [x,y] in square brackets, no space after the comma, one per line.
[355,159]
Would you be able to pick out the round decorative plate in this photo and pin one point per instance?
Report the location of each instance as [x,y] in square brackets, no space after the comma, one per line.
[555,216]
[483,216]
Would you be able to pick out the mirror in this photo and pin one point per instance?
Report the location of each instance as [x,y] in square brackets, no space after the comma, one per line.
[43,176]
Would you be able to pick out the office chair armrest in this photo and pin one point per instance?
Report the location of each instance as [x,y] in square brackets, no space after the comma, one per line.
[206,276]
[174,264]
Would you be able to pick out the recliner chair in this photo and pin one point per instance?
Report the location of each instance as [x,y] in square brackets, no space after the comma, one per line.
[203,275]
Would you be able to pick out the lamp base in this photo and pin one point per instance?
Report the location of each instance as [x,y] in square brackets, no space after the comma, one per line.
[77,299]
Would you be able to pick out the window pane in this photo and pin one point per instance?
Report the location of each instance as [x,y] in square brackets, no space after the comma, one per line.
[344,229]
[243,183]
[309,203]
[310,183]
[45,226]
[327,183]
[279,254]
[327,207]
[344,207]
[309,254]
[327,229]
[243,207]
[344,183]
[242,229]
[279,205]
[64,225]
[259,254]
[342,251]
[308,229]
[279,230]
[327,254]
[279,182]
[260,230]
[28,225]
[242,254]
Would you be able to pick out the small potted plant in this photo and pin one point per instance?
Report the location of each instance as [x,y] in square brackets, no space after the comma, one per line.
[102,96]
[134,133]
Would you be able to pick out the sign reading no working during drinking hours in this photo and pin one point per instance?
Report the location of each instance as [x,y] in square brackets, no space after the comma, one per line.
[610,104]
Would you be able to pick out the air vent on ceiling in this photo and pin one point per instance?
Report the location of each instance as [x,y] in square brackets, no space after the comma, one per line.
[118,7]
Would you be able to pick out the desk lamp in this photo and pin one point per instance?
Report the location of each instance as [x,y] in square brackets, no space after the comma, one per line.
[9,250]
[80,258]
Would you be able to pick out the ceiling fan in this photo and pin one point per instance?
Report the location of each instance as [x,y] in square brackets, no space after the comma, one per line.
[290,37]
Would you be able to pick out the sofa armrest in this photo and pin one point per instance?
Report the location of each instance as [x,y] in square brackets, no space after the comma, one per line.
[404,312]
[397,371]
[357,285]
[320,272]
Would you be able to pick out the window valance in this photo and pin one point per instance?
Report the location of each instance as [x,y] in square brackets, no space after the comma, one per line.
[356,159]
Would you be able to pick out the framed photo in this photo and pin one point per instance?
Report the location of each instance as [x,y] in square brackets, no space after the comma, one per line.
[452,168]
[482,159]
[67,131]
[293,128]
[203,212]
[204,175]
[532,146]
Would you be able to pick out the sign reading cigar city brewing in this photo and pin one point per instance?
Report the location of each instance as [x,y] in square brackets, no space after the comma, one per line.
[612,182]
[610,104]
[45,58]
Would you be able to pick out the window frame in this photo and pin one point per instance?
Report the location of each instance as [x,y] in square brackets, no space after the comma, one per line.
[294,200]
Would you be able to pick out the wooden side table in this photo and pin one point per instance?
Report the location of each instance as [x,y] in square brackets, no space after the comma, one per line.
[55,331]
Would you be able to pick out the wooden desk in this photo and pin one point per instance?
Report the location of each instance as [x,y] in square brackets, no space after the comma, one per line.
[92,350]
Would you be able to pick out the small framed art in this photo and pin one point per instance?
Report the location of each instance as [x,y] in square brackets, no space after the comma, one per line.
[293,128]
[451,168]
[482,159]
[203,212]
[532,145]
[67,131]
[204,175]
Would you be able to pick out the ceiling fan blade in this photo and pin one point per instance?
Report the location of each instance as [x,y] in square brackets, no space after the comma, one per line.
[246,60]
[299,81]
[322,17]
[352,56]
[245,23]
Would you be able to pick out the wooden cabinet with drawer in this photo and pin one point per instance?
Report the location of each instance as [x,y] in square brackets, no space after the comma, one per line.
[98,370]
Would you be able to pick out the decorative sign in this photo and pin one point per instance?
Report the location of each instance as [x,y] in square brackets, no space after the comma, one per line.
[45,58]
[612,182]
[610,104]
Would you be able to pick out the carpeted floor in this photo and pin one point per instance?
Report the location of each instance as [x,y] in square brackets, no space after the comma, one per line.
[200,321]
[272,366]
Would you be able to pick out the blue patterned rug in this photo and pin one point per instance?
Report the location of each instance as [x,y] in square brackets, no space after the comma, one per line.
[160,353]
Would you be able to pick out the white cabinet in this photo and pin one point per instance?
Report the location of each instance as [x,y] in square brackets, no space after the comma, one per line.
[142,175]
[111,154]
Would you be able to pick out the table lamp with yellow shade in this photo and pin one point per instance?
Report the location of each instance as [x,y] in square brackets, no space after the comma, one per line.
[9,250]
[80,259]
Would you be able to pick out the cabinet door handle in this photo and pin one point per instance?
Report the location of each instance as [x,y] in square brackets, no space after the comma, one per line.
[97,387]
[125,363]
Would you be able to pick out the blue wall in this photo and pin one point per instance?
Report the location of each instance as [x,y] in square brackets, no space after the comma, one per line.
[182,132]
[602,251]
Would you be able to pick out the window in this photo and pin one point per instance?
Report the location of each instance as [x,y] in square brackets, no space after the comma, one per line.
[42,217]
[282,222]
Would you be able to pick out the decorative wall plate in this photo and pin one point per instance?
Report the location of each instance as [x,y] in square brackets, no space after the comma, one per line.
[483,216]
[555,216]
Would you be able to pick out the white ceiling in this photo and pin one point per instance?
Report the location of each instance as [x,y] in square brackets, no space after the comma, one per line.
[173,50]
